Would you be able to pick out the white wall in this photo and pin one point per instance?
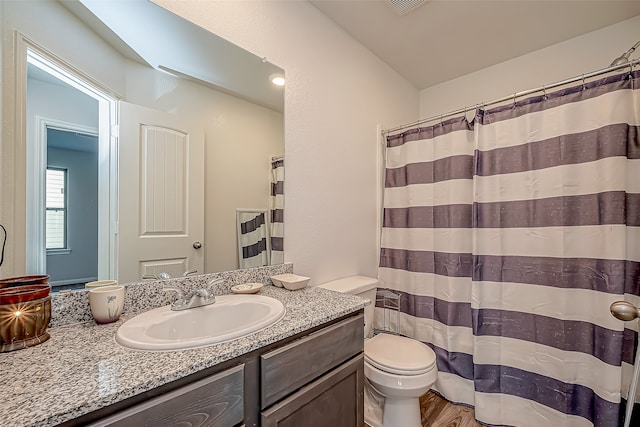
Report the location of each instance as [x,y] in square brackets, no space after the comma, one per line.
[60,103]
[53,27]
[337,92]
[574,57]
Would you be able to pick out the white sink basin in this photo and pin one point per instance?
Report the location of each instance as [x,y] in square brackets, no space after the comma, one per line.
[230,317]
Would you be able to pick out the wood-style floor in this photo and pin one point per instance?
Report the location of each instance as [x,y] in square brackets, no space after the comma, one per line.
[437,412]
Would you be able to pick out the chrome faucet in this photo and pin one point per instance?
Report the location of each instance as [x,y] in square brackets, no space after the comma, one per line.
[178,291]
[197,298]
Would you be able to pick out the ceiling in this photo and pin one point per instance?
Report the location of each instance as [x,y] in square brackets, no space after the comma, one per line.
[444,39]
[147,33]
[433,43]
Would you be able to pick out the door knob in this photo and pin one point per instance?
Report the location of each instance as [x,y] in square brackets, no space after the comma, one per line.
[624,311]
[197,245]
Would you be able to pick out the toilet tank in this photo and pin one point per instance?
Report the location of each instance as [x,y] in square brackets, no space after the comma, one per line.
[358,285]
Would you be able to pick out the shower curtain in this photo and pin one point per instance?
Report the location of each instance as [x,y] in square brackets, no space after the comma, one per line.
[508,238]
[277,210]
[253,247]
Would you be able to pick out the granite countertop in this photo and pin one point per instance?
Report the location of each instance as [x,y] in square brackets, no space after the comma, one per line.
[82,368]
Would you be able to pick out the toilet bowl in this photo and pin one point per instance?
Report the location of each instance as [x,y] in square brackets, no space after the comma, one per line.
[398,369]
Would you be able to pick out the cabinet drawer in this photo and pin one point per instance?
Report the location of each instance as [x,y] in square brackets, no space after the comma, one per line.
[335,399]
[286,369]
[217,399]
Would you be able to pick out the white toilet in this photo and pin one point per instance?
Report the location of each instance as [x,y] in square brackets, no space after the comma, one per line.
[401,369]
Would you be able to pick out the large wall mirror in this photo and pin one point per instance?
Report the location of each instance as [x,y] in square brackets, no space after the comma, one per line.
[145,136]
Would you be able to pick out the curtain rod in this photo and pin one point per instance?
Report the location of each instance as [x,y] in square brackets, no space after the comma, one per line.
[516,95]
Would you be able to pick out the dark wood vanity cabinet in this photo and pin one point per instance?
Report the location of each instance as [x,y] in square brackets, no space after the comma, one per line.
[291,366]
[217,400]
[333,400]
[322,374]
[313,379]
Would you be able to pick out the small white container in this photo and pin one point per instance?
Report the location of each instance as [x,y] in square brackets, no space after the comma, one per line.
[290,281]
[276,281]
[106,303]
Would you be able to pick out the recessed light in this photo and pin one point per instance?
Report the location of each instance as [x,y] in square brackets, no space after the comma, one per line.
[277,79]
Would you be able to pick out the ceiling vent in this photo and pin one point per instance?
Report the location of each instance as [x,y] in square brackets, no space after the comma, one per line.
[402,7]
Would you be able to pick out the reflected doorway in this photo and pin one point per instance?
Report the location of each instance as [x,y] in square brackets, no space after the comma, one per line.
[71,207]
[71,182]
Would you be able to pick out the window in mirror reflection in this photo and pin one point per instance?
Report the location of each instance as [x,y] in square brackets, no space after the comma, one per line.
[56,209]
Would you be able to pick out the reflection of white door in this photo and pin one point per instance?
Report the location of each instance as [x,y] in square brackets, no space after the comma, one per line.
[161,194]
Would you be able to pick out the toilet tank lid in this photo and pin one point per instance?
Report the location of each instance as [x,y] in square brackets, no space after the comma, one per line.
[351,285]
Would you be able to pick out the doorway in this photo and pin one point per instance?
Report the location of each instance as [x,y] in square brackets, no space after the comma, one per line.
[69,139]
[71,206]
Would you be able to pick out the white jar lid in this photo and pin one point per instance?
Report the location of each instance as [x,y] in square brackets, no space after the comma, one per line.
[399,355]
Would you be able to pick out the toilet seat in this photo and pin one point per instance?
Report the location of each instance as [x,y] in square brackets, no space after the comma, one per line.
[399,355]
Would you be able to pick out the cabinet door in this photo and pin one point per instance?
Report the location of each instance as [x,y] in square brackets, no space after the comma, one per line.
[213,401]
[290,367]
[333,400]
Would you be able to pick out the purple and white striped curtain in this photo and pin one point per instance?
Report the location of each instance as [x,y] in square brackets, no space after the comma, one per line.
[277,210]
[252,238]
[509,237]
